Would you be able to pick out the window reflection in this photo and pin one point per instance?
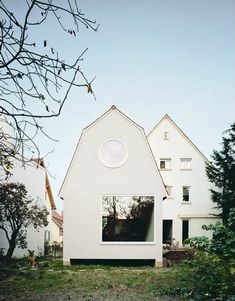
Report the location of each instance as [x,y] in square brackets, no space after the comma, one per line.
[128,218]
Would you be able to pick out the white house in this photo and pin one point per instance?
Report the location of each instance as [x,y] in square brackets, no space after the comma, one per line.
[56,228]
[33,174]
[182,166]
[34,177]
[113,194]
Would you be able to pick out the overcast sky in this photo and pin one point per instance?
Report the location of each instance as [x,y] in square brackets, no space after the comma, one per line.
[151,58]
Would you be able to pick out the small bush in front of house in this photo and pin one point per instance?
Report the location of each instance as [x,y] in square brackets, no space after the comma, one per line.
[203,278]
[209,278]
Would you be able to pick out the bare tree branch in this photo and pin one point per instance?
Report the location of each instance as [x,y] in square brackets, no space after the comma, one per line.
[31,72]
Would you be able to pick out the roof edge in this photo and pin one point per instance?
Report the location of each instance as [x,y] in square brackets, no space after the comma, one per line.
[181,132]
[113,107]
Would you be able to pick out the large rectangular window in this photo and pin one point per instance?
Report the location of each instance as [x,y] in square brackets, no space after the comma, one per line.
[165,163]
[128,218]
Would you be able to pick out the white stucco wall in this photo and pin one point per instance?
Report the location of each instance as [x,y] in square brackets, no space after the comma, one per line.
[195,227]
[175,147]
[88,179]
[33,178]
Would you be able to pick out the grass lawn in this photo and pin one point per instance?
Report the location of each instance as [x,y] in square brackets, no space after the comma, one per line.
[56,282]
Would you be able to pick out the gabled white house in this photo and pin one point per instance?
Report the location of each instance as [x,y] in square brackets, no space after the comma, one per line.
[113,194]
[34,176]
[182,166]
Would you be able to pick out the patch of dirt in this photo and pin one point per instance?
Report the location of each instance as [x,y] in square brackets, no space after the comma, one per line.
[81,296]
[177,256]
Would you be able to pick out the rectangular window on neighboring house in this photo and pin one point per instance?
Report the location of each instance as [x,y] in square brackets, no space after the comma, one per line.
[165,136]
[47,235]
[186,163]
[165,163]
[169,191]
[186,193]
[167,231]
[185,230]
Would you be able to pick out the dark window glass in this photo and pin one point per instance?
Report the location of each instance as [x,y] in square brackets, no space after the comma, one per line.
[185,230]
[167,231]
[186,194]
[162,164]
[127,218]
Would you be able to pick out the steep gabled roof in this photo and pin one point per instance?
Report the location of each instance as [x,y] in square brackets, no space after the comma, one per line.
[113,107]
[167,117]
[39,162]
[57,219]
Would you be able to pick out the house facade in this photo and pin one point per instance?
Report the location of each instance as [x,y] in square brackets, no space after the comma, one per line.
[182,166]
[34,176]
[113,194]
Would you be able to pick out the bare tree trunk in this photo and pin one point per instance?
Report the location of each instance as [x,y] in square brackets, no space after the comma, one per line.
[12,245]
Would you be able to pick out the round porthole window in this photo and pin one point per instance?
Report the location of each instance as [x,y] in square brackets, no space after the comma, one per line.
[113,152]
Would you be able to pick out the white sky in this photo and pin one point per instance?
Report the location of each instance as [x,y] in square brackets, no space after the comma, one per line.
[151,58]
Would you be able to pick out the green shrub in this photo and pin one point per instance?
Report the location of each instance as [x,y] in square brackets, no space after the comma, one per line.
[206,277]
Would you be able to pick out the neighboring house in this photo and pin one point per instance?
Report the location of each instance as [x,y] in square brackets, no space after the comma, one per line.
[34,176]
[49,200]
[56,228]
[182,166]
[113,194]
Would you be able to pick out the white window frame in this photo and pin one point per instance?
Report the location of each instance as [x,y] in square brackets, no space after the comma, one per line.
[185,163]
[117,164]
[168,163]
[128,242]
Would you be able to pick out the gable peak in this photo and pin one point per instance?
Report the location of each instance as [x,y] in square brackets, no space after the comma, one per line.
[166,117]
[113,108]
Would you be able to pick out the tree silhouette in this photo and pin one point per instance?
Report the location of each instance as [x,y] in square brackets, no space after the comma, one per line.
[221,172]
[17,213]
[35,80]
